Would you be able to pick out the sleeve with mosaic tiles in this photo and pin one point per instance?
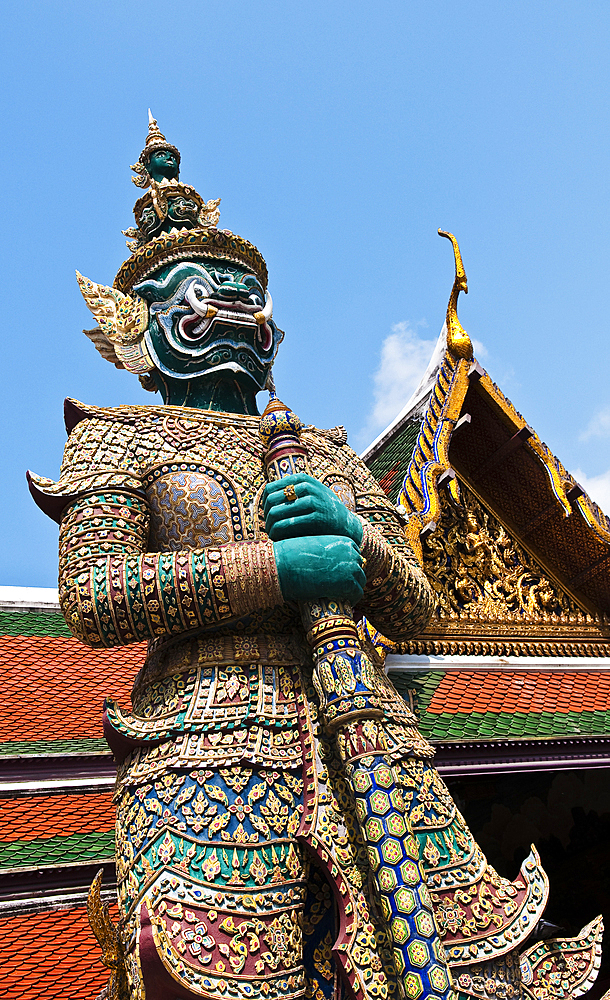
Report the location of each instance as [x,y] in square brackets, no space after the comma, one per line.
[397,599]
[112,591]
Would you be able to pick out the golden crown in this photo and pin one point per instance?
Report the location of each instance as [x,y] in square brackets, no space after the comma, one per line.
[175,223]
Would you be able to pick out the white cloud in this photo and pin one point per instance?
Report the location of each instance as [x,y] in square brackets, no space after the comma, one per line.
[598,487]
[598,426]
[404,359]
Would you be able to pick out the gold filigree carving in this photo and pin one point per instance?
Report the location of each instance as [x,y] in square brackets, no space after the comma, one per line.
[493,598]
[479,572]
[490,646]
[123,320]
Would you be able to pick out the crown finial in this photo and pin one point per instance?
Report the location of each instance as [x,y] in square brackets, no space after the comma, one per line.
[155,138]
[155,142]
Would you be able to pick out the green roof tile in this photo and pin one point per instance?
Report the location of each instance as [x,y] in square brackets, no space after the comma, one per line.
[49,623]
[55,748]
[70,850]
[423,683]
[490,725]
[390,466]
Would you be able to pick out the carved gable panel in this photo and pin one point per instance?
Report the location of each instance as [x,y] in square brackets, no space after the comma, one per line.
[479,571]
[493,596]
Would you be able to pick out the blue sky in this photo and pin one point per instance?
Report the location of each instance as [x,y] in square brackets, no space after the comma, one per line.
[340,136]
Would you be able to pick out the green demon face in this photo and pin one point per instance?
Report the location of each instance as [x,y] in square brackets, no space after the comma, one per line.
[162,163]
[210,319]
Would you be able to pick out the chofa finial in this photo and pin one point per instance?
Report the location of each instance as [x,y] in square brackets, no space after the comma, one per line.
[458,341]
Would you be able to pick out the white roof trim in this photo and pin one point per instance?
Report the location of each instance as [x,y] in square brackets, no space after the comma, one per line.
[419,399]
[408,662]
[29,598]
[57,784]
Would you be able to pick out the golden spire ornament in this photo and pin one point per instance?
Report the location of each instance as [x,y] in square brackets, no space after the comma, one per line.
[458,341]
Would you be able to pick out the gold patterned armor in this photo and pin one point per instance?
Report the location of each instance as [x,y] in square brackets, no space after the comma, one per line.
[223,776]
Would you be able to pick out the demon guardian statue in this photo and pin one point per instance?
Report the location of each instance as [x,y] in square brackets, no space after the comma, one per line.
[280,832]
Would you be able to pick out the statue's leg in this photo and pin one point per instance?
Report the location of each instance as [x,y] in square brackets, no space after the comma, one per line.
[211,877]
[481,916]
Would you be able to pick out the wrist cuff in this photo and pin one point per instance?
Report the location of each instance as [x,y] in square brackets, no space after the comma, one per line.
[251,576]
[376,551]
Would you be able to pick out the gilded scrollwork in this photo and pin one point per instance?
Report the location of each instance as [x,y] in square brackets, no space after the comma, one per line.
[479,571]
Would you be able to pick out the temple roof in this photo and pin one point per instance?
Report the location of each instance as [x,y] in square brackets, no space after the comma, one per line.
[470,428]
[38,831]
[56,781]
[471,476]
[50,954]
[54,686]
[56,771]
[487,704]
[510,672]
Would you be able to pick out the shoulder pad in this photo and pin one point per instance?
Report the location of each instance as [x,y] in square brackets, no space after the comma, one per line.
[90,465]
[53,498]
[74,412]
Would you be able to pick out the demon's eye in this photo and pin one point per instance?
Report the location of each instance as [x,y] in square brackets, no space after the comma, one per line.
[221,277]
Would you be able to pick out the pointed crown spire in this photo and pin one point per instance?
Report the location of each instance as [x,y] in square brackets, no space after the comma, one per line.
[156,140]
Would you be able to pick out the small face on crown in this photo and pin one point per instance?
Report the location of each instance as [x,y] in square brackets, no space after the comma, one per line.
[210,318]
[162,163]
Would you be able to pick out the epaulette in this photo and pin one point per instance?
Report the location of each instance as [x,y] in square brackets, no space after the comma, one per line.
[75,411]
[83,471]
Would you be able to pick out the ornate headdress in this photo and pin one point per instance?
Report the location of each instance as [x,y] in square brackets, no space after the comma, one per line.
[154,140]
[174,224]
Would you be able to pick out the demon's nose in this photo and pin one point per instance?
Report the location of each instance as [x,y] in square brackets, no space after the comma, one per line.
[233,290]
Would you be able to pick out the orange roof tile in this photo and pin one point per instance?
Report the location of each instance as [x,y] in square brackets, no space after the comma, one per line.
[514,691]
[33,816]
[50,954]
[54,688]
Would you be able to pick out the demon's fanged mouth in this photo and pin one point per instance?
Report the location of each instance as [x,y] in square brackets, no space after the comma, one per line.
[207,307]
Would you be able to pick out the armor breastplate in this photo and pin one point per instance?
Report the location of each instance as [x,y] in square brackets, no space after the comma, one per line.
[191,506]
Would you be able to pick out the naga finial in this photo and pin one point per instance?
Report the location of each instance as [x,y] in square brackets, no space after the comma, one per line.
[458,341]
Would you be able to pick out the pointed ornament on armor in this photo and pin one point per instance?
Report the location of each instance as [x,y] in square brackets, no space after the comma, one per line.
[108,938]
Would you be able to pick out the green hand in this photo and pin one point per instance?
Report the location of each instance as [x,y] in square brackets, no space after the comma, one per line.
[320,566]
[316,511]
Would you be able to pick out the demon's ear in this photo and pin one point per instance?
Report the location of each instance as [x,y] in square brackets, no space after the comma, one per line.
[123,320]
[105,346]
